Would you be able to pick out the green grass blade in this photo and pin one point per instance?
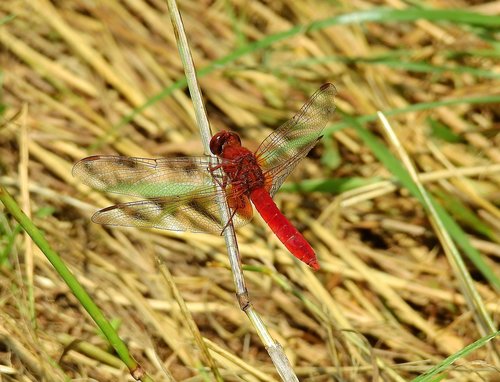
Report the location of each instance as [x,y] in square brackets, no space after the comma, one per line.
[79,292]
[332,186]
[441,131]
[398,60]
[7,240]
[393,165]
[430,375]
[455,16]
[374,15]
[424,67]
[6,19]
[464,214]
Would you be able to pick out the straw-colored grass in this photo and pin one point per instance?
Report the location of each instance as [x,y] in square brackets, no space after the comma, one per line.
[409,280]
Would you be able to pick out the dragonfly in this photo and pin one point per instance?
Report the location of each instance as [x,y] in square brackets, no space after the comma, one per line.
[182,193]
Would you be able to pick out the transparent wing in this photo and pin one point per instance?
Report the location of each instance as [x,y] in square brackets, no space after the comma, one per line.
[281,151]
[180,191]
[280,172]
[144,177]
[184,213]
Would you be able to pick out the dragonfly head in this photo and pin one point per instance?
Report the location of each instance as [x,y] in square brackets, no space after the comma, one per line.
[223,139]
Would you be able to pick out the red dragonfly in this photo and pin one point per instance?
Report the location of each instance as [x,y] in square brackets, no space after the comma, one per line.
[181,193]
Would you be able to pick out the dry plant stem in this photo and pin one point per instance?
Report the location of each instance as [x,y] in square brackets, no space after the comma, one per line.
[234,359]
[25,197]
[462,184]
[474,301]
[207,358]
[206,134]
[384,187]
[274,349]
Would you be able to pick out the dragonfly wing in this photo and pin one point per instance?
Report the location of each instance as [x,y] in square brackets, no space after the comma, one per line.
[144,177]
[180,192]
[193,213]
[280,172]
[283,149]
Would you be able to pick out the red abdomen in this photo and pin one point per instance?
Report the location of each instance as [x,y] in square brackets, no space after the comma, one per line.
[281,226]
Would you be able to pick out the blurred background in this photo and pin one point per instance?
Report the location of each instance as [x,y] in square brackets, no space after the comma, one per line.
[84,77]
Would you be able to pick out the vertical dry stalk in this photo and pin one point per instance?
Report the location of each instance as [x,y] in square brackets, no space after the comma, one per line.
[274,349]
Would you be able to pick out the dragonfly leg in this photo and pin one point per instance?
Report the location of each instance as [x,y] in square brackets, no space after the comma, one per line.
[238,203]
[217,177]
[212,169]
[238,171]
[234,210]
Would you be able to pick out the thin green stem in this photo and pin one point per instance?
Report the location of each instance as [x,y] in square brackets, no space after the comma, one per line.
[430,375]
[79,292]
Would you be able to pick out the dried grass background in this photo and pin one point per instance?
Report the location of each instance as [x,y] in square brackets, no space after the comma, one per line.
[72,74]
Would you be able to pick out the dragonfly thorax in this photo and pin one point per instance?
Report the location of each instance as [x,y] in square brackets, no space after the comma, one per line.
[245,173]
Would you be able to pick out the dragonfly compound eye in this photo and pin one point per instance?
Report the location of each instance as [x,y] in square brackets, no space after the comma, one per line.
[217,142]
[223,139]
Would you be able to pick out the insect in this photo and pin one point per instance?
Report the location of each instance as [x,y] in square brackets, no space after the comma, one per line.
[180,194]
